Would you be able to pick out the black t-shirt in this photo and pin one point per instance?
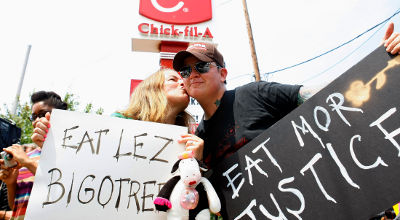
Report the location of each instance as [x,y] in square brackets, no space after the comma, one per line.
[3,197]
[243,114]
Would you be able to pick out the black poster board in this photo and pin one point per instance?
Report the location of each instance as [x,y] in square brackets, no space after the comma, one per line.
[337,156]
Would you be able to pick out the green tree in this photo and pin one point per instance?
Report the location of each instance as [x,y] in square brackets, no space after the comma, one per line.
[71,101]
[23,113]
[89,109]
[73,104]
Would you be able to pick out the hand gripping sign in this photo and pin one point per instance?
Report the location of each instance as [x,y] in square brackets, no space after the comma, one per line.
[176,11]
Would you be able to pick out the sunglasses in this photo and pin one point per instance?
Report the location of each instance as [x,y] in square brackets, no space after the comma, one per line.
[38,115]
[201,67]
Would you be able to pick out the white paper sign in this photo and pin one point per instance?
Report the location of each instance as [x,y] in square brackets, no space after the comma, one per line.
[100,167]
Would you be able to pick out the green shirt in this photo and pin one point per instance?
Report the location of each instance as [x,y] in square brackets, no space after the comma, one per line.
[119,115]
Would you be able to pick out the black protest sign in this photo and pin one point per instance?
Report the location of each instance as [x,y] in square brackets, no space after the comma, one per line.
[334,157]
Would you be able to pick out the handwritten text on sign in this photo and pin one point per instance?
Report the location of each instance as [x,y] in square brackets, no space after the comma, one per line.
[334,157]
[99,167]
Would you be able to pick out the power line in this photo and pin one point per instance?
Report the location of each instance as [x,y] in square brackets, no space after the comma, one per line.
[329,51]
[225,2]
[239,76]
[344,58]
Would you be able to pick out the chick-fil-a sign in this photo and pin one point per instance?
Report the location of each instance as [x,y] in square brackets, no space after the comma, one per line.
[176,11]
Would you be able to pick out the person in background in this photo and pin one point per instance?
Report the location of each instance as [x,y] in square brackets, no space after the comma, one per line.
[43,102]
[235,117]
[19,180]
[162,98]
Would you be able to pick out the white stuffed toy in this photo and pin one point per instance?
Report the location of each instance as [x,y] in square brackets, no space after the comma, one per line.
[182,197]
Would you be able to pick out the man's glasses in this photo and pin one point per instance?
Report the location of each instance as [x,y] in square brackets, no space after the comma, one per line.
[38,115]
[201,67]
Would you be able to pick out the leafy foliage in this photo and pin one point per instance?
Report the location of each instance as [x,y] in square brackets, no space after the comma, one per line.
[71,101]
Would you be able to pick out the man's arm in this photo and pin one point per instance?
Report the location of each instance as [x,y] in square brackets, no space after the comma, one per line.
[11,190]
[307,92]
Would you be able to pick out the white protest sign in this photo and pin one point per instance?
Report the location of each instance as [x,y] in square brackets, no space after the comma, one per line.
[100,167]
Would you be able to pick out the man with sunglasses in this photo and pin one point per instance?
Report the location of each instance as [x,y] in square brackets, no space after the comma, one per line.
[233,118]
[19,180]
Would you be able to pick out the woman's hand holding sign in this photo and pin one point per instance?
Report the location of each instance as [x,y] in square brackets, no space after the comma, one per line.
[41,126]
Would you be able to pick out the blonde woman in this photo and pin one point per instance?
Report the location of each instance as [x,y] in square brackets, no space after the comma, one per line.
[162,98]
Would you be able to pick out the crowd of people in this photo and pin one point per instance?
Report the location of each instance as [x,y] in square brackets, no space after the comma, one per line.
[19,180]
[231,119]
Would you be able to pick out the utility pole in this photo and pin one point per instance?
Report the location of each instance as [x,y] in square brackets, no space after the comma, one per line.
[21,81]
[251,42]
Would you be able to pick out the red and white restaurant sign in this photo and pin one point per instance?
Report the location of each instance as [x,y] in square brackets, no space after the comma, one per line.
[172,20]
[174,31]
[176,11]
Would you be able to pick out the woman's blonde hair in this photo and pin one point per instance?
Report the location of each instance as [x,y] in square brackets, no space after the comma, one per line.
[149,102]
